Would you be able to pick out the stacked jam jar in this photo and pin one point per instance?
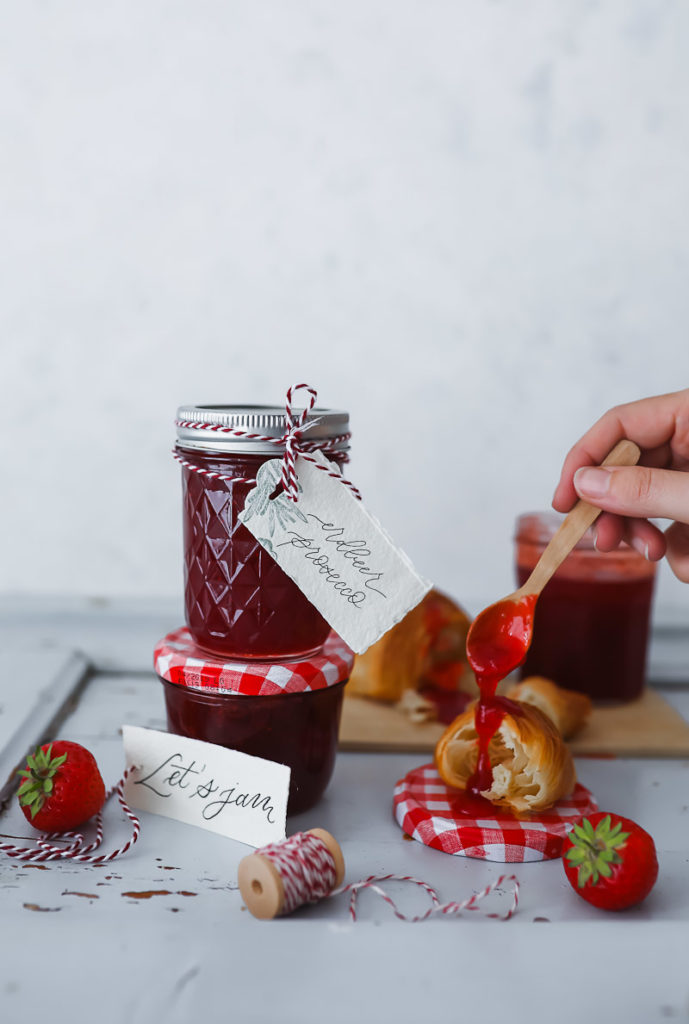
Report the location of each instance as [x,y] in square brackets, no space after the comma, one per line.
[257,668]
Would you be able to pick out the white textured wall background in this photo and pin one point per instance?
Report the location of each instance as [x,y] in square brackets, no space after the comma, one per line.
[467,222]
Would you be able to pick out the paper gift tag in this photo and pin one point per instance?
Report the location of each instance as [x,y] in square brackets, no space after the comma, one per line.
[234,794]
[336,552]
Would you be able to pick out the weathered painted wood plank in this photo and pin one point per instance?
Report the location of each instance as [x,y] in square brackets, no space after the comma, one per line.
[36,690]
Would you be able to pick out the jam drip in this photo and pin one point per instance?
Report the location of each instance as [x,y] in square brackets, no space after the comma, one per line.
[497,643]
[488,715]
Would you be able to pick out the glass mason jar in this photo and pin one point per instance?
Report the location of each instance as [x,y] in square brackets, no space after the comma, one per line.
[592,620]
[291,717]
[238,601]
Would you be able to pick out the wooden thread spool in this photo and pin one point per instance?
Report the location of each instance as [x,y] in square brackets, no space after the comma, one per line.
[262,886]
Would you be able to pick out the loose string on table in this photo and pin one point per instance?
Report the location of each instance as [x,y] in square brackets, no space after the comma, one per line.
[78,849]
[307,871]
[292,438]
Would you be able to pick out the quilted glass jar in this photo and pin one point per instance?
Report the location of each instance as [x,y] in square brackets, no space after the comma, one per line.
[238,601]
[286,712]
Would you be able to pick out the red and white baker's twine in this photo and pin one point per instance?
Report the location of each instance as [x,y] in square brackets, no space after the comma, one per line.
[292,439]
[306,867]
[78,850]
[307,870]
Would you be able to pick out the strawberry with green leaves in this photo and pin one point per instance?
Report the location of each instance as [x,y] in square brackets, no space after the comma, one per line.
[610,861]
[61,788]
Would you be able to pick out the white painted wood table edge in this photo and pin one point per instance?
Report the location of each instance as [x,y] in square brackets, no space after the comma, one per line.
[37,689]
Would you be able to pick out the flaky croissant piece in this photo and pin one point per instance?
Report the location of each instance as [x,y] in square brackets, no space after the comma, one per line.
[429,643]
[532,767]
[567,709]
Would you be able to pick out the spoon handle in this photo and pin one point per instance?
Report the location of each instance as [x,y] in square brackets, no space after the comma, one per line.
[575,524]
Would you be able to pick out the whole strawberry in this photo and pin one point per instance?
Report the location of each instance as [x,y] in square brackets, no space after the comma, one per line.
[62,787]
[610,861]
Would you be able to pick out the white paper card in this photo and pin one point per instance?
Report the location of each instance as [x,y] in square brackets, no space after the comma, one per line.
[336,552]
[234,794]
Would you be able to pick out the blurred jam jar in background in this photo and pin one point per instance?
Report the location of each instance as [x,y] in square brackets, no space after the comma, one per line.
[285,712]
[238,601]
[592,619]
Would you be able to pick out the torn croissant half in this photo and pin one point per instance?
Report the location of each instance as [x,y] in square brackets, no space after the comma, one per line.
[428,647]
[566,708]
[532,767]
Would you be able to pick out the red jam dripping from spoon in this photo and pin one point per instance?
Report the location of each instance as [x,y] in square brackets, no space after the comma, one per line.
[497,643]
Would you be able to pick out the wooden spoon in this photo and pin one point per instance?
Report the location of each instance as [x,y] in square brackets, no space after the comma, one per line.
[500,636]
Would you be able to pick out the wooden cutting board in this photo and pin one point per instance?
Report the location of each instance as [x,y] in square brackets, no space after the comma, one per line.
[647,727]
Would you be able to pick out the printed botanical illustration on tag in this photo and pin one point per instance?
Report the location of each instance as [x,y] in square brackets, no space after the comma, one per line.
[275,513]
[234,794]
[336,552]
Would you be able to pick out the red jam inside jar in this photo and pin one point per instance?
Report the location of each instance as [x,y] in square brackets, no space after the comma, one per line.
[299,729]
[238,601]
[591,621]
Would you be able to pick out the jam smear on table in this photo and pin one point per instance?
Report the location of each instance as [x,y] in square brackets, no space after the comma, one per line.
[447,704]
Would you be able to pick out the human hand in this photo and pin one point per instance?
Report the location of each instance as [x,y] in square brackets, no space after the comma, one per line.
[657,487]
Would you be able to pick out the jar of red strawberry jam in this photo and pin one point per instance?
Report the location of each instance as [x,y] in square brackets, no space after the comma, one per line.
[238,601]
[287,712]
[591,623]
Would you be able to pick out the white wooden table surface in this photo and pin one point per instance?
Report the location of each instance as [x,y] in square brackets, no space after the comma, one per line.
[161,934]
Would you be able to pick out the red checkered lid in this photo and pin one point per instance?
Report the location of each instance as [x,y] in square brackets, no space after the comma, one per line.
[177,659]
[427,809]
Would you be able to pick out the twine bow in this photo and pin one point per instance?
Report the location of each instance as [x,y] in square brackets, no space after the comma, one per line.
[294,429]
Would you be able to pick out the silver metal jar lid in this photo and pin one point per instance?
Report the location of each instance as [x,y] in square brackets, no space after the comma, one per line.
[267,420]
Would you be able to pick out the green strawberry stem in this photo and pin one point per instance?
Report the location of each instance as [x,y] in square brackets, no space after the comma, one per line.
[38,778]
[594,851]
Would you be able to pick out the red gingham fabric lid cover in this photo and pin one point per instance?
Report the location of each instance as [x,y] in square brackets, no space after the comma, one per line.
[177,659]
[423,808]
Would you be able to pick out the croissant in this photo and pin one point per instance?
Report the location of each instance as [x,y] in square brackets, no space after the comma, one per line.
[566,708]
[532,767]
[427,648]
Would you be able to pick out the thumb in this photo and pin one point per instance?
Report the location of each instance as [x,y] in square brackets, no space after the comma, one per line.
[635,491]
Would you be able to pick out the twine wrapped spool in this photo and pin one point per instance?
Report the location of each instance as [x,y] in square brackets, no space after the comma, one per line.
[278,879]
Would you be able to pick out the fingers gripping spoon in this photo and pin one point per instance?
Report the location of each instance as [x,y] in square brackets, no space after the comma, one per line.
[500,635]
